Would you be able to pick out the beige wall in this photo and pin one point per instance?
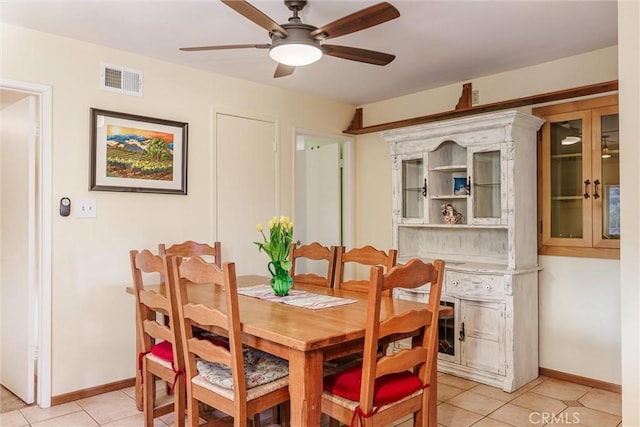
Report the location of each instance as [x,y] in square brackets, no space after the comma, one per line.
[93,334]
[572,339]
[629,72]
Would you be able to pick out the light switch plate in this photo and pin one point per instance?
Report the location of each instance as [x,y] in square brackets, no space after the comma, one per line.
[85,208]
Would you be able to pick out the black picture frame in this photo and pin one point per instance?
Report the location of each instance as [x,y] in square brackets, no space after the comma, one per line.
[138,154]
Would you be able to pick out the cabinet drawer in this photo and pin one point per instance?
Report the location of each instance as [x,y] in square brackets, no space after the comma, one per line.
[470,285]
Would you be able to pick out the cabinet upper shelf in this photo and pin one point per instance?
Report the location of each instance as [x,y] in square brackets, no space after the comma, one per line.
[448,196]
[562,198]
[453,226]
[567,156]
[449,168]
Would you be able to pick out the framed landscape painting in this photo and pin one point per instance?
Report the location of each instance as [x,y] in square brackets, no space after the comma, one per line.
[137,154]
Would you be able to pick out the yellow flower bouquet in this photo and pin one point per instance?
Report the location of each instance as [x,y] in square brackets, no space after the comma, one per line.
[277,248]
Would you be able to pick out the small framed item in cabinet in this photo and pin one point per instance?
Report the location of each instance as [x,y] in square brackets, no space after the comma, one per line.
[460,186]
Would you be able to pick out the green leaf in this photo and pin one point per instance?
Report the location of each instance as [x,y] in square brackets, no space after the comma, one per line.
[286,265]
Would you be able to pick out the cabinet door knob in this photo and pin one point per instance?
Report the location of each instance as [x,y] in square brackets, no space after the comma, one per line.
[586,188]
[461,337]
[424,188]
[595,189]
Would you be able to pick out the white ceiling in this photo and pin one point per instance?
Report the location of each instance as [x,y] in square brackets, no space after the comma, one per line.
[435,42]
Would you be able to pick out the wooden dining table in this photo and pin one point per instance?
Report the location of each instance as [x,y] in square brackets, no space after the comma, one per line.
[306,338]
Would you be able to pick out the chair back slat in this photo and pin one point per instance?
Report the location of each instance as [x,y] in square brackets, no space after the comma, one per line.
[211,352]
[405,322]
[154,301]
[367,255]
[158,331]
[190,248]
[202,315]
[411,275]
[411,357]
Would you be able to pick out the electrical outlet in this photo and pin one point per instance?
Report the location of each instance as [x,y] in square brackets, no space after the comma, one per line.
[85,208]
[475,97]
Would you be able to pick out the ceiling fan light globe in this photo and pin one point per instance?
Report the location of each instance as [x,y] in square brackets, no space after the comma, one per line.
[295,54]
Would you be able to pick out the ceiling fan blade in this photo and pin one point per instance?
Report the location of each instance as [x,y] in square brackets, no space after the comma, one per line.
[255,15]
[357,54]
[365,18]
[223,47]
[283,70]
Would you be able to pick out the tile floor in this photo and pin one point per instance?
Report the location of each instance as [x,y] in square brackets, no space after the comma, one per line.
[461,403]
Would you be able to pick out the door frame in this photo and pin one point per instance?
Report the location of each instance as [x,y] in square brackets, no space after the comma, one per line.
[348,178]
[44,198]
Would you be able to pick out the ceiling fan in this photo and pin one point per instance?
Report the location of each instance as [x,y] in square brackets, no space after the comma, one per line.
[295,43]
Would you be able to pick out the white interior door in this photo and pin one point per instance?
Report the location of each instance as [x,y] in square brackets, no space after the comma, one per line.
[247,186]
[318,199]
[18,248]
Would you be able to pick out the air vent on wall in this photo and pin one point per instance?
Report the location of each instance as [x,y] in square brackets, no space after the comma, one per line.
[120,79]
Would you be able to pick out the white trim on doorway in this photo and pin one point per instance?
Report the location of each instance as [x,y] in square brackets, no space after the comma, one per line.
[44,93]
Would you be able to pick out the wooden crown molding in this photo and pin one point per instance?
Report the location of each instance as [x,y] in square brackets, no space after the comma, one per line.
[464,109]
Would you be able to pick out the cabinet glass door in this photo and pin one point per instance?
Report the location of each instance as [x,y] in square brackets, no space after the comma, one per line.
[606,174]
[570,181]
[486,178]
[579,179]
[567,199]
[486,184]
[413,188]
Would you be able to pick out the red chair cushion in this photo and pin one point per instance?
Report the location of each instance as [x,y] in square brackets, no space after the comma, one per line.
[163,350]
[388,389]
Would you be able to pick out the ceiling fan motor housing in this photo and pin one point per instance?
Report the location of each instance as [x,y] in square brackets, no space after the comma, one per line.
[298,48]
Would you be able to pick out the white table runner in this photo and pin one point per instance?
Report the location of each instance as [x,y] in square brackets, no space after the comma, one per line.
[296,297]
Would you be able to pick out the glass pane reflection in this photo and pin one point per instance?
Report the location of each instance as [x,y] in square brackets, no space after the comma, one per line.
[610,167]
[566,179]
[412,177]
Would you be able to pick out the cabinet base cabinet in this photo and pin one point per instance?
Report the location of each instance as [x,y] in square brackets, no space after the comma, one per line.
[493,336]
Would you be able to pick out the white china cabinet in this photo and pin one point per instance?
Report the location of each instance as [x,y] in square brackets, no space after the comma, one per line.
[484,167]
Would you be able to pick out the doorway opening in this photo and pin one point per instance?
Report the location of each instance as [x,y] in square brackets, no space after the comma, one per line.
[25,240]
[323,189]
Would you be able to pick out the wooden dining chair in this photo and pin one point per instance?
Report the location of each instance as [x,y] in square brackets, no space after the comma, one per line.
[364,256]
[384,389]
[160,345]
[238,381]
[315,252]
[190,248]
